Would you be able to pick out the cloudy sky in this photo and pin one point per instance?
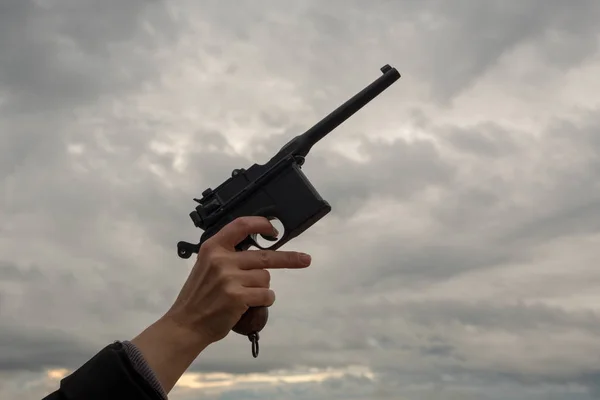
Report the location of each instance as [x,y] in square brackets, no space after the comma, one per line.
[459,261]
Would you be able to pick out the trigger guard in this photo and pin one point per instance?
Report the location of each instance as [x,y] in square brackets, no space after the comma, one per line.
[251,241]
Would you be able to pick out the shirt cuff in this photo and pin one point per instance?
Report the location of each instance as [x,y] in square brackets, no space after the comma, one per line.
[141,366]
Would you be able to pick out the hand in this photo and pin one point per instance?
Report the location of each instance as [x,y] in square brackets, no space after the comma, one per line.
[224,283]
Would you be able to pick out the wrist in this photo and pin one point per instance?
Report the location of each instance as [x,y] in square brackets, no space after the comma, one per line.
[169,349]
[188,338]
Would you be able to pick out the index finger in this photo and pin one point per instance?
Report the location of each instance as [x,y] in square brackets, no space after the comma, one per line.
[237,230]
[271,259]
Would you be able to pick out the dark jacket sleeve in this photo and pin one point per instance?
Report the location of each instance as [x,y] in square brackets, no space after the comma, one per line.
[111,374]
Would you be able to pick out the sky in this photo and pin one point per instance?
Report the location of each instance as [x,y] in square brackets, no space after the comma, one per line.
[458,262]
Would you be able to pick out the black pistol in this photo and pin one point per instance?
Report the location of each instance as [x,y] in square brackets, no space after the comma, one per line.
[275,190]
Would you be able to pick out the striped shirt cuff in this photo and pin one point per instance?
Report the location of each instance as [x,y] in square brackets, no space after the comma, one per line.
[142,367]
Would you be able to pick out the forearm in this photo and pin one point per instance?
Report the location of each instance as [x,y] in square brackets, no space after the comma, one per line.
[169,350]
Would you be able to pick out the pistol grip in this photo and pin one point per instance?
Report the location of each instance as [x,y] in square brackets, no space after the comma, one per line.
[253,321]
[255,318]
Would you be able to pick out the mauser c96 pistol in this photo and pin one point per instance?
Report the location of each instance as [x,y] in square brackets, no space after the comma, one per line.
[275,190]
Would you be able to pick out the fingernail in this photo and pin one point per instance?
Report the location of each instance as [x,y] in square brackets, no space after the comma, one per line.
[275,232]
[305,259]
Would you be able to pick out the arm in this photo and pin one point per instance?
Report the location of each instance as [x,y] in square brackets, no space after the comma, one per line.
[169,350]
[145,368]
[220,288]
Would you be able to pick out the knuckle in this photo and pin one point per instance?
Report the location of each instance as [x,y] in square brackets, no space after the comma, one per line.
[208,246]
[231,291]
[242,223]
[205,252]
[262,278]
[220,276]
[218,259]
[264,259]
[223,276]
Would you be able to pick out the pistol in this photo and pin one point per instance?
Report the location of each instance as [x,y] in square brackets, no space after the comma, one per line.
[277,190]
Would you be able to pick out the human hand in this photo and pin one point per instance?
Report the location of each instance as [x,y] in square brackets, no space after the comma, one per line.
[224,283]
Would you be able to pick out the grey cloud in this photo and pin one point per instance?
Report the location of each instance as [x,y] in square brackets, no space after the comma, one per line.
[481,226]
[397,170]
[485,141]
[470,37]
[101,226]
[515,317]
[55,57]
[39,349]
[438,343]
[449,46]
[566,198]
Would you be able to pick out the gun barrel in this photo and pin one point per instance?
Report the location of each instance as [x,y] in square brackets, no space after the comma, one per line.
[346,110]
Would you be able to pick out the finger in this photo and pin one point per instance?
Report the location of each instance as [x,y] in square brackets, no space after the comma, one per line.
[258,278]
[272,259]
[259,297]
[237,230]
